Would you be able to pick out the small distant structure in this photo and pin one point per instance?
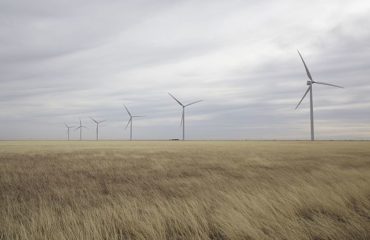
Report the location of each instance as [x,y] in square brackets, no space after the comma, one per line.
[68,128]
[80,127]
[130,121]
[183,113]
[97,127]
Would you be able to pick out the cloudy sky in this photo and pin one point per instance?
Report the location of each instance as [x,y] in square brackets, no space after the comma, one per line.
[62,60]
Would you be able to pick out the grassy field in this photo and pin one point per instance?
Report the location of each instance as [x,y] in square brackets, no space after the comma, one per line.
[184,190]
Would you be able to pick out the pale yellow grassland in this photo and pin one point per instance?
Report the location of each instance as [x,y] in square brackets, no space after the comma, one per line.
[184,190]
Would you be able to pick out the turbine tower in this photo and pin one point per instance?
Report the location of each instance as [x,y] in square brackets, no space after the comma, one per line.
[310,83]
[68,128]
[97,127]
[183,113]
[80,127]
[130,121]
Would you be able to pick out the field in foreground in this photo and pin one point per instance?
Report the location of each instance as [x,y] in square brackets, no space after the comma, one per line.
[184,190]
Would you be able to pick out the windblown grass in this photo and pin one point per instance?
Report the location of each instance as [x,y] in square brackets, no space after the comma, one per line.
[184,190]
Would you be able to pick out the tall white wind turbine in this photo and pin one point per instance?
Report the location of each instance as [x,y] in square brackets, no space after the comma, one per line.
[97,127]
[130,121]
[68,128]
[80,127]
[310,83]
[183,113]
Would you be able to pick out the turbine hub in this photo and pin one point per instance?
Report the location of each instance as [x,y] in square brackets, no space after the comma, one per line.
[309,83]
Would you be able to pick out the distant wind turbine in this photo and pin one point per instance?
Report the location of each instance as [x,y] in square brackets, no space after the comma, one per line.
[97,127]
[130,121]
[183,113]
[310,83]
[80,127]
[68,128]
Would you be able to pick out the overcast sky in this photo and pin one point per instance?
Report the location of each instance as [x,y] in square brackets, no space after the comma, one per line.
[63,60]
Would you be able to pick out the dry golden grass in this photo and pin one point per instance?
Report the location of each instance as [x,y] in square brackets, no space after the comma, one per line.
[184,190]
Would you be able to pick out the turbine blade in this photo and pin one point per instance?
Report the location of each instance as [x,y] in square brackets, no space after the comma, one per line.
[308,89]
[176,99]
[93,120]
[128,111]
[138,116]
[328,84]
[193,103]
[305,66]
[128,123]
[102,121]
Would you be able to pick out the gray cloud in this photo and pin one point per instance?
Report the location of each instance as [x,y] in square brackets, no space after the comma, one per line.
[65,60]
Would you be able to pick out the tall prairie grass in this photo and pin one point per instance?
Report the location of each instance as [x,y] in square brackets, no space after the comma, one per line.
[184,190]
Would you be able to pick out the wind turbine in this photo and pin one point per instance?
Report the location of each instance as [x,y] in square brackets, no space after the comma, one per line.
[97,127]
[130,121]
[183,113]
[310,83]
[68,127]
[80,127]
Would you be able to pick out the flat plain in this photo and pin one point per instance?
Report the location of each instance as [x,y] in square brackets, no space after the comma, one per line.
[184,190]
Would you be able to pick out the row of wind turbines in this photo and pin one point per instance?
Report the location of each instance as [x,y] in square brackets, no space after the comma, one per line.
[129,123]
[310,84]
